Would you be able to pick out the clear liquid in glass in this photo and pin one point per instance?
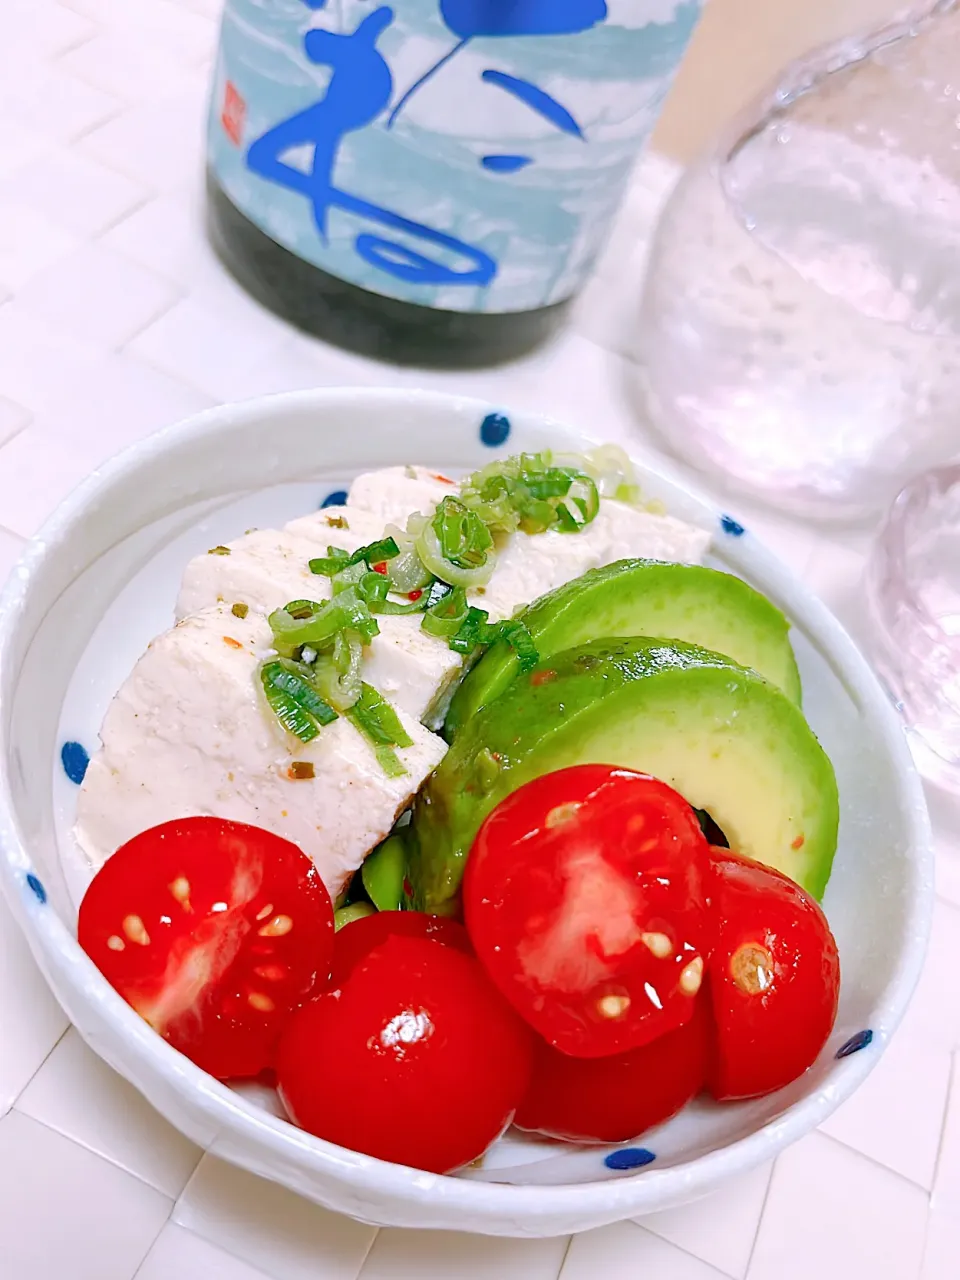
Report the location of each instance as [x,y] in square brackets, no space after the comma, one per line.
[800,329]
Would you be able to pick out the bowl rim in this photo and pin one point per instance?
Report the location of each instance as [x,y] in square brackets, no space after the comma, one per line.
[480,1203]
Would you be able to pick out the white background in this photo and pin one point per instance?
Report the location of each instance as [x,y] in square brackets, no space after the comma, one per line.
[114,320]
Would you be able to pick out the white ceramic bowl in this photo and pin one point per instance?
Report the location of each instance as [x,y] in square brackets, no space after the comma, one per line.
[105,568]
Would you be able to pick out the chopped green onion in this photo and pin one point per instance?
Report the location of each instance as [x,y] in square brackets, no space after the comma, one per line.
[448,614]
[219,551]
[531,492]
[472,633]
[293,699]
[464,538]
[372,588]
[345,612]
[521,642]
[456,546]
[301,609]
[390,762]
[407,572]
[381,726]
[373,553]
[240,610]
[337,676]
[395,607]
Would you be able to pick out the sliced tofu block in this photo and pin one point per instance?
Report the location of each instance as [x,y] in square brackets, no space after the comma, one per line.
[346,527]
[267,568]
[643,535]
[189,734]
[263,570]
[395,492]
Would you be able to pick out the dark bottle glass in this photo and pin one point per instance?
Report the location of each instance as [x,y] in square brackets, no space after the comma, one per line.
[430,182]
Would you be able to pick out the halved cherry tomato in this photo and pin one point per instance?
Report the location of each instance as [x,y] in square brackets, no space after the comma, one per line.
[774,979]
[213,931]
[584,899]
[416,1059]
[617,1098]
[356,940]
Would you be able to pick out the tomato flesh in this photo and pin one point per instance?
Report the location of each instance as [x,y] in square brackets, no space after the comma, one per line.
[213,931]
[584,896]
[774,979]
[617,1098]
[356,940]
[415,1059]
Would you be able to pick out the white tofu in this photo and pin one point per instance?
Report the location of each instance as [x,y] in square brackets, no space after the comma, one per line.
[394,492]
[266,569]
[632,534]
[189,734]
[345,527]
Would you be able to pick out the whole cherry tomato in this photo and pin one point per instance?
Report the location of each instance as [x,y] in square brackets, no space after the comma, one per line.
[356,940]
[617,1098]
[774,979]
[213,931]
[584,897]
[415,1059]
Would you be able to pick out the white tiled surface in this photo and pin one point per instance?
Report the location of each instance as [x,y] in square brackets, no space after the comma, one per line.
[114,319]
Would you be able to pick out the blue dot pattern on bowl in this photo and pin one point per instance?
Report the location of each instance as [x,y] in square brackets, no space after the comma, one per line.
[494,429]
[337,498]
[731,526]
[74,757]
[37,887]
[629,1158]
[855,1043]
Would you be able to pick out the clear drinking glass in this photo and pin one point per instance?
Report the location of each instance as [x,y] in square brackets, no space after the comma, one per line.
[800,328]
[913,589]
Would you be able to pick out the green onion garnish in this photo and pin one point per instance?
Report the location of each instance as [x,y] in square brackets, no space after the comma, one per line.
[464,538]
[448,614]
[345,612]
[472,633]
[293,699]
[521,642]
[390,762]
[377,720]
[337,559]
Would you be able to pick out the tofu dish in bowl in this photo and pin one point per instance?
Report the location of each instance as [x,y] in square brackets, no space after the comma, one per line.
[482,801]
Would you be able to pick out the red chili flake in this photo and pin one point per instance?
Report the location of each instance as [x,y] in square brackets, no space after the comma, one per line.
[234,644]
[381,567]
[798,843]
[442,479]
[414,595]
[233,113]
[542,677]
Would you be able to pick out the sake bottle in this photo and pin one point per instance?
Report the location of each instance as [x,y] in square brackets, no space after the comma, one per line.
[430,181]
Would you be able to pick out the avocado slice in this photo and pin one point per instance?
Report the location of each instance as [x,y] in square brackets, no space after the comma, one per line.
[642,598]
[727,739]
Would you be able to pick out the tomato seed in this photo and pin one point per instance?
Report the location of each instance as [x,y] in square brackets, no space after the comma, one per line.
[134,928]
[181,891]
[263,1004]
[115,943]
[751,967]
[561,814]
[658,944]
[276,928]
[272,972]
[265,911]
[692,977]
[613,1006]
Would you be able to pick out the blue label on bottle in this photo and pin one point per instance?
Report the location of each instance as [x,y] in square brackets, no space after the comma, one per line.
[461,154]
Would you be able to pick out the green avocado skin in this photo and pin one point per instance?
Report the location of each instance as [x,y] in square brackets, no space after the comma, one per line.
[688,602]
[727,739]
